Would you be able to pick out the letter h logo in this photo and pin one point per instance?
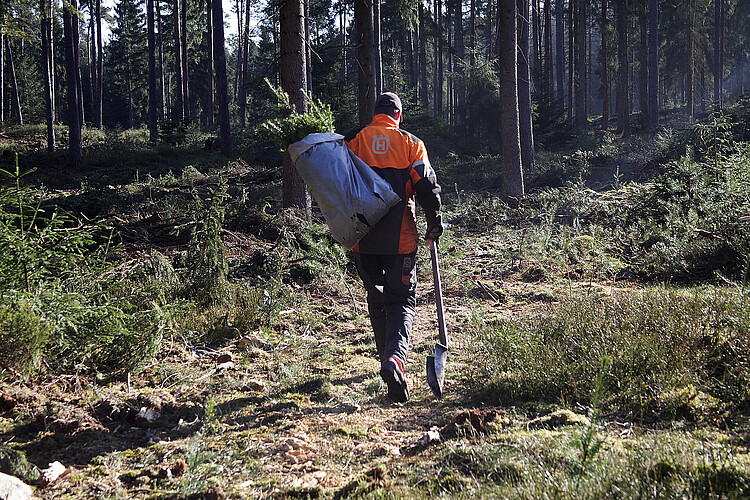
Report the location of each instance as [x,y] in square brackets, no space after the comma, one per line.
[380,144]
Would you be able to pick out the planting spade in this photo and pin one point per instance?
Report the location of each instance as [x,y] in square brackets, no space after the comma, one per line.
[436,364]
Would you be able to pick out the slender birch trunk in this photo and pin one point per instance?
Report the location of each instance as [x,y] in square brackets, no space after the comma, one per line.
[16,99]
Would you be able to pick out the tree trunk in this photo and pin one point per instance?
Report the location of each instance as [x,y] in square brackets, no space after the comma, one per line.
[703,88]
[472,31]
[210,88]
[581,74]
[588,36]
[131,104]
[423,58]
[525,124]
[53,65]
[691,60]
[14,83]
[74,118]
[437,86]
[450,90]
[2,77]
[91,48]
[623,92]
[643,62]
[377,56]
[242,88]
[488,33]
[571,56]
[365,65]
[239,6]
[160,44]
[98,87]
[222,91]
[293,81]
[411,49]
[47,71]
[718,53]
[653,63]
[308,45]
[185,63]
[461,55]
[276,51]
[536,25]
[342,40]
[79,82]
[506,49]
[605,67]
[560,49]
[153,130]
[548,66]
[179,111]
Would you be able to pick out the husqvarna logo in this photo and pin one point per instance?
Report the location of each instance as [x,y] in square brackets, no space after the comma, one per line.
[380,144]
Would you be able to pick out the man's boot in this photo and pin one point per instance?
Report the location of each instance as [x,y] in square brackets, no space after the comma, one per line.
[392,372]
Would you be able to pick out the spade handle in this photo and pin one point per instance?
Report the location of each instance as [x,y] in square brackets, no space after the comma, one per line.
[438,294]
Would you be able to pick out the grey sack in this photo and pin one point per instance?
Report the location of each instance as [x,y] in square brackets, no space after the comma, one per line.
[351,196]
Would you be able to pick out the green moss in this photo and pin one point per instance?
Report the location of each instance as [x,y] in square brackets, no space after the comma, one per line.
[15,463]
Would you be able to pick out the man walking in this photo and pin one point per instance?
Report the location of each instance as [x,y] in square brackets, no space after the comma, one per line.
[385,255]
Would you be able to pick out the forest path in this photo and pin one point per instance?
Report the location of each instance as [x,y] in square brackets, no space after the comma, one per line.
[301,407]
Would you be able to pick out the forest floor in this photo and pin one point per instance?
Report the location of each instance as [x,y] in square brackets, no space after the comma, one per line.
[299,410]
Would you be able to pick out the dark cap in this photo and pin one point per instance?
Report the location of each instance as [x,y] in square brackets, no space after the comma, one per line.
[387,102]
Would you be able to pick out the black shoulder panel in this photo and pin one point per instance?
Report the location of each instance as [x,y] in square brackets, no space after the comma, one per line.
[352,134]
[410,136]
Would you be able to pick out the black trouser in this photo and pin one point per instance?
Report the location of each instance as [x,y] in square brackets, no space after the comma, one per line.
[391,284]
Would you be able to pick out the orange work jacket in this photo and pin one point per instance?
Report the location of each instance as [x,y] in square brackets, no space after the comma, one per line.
[401,159]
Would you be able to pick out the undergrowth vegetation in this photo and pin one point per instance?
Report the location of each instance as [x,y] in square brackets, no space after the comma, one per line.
[688,223]
[75,301]
[661,354]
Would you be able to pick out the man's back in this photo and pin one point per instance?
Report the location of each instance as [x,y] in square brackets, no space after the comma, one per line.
[401,159]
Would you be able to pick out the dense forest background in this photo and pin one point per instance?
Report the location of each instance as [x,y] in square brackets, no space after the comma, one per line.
[589,64]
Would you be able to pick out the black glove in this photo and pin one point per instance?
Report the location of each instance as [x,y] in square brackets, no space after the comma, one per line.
[434,228]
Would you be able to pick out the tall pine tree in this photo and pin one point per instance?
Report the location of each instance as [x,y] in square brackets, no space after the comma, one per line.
[127,64]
